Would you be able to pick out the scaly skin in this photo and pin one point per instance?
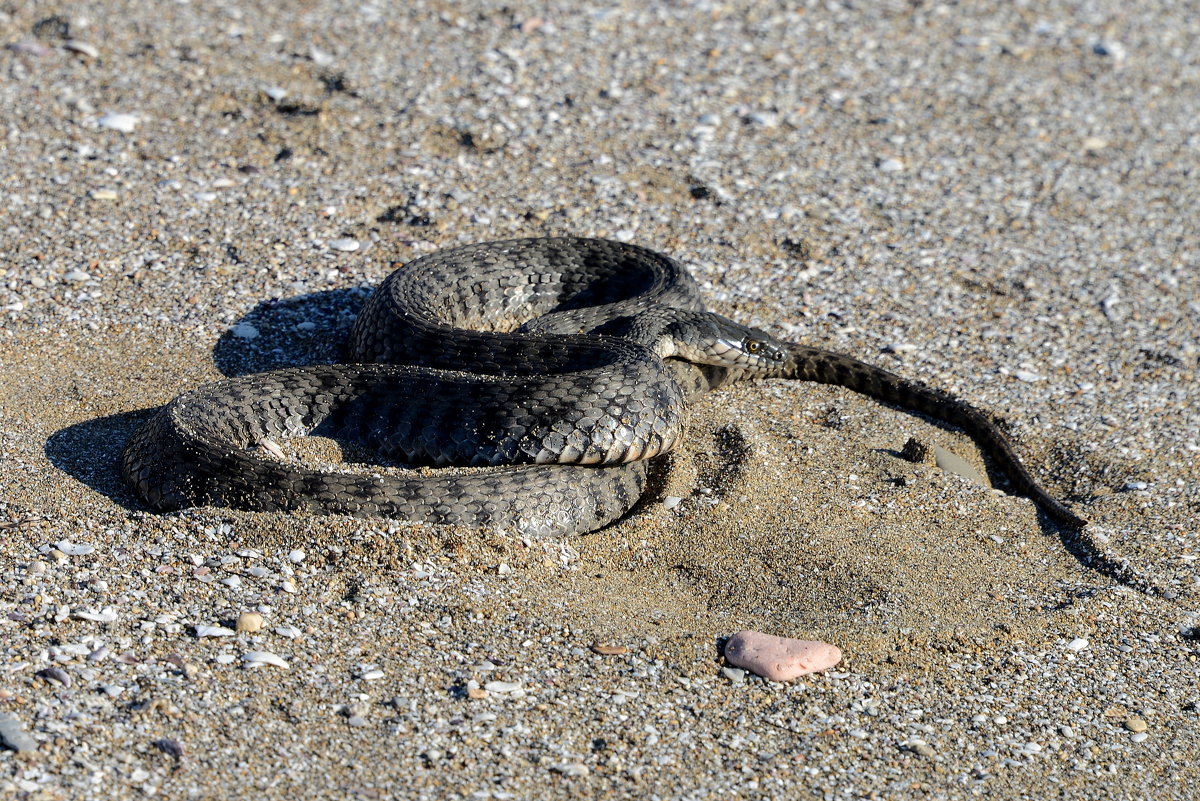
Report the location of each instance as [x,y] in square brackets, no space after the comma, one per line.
[547,352]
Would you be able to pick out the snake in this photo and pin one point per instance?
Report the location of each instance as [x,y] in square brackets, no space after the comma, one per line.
[553,370]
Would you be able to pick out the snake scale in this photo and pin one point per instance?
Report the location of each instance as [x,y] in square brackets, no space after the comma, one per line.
[562,364]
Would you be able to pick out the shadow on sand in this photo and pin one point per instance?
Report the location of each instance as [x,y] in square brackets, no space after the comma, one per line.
[308,329]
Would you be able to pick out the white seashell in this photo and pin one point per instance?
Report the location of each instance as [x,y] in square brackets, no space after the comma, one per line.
[106,615]
[260,658]
[83,48]
[270,447]
[502,686]
[116,121]
[214,631]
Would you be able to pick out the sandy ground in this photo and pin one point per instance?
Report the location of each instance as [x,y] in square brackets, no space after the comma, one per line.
[996,198]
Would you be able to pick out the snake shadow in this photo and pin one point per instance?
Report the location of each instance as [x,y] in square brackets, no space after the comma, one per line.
[307,329]
[290,332]
[90,452]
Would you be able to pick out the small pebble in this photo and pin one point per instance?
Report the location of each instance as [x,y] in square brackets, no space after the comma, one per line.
[921,748]
[13,736]
[571,769]
[244,331]
[345,245]
[186,668]
[55,675]
[764,118]
[114,121]
[891,165]
[1136,724]
[1077,644]
[296,556]
[172,748]
[671,501]
[249,622]
[736,675]
[609,650]
[1113,50]
[779,658]
[103,194]
[1139,737]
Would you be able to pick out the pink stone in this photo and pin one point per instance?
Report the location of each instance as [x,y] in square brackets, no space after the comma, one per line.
[779,658]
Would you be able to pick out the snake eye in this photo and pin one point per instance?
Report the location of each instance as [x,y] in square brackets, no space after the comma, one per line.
[753,345]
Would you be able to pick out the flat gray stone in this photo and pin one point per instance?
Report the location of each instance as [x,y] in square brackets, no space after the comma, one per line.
[14,736]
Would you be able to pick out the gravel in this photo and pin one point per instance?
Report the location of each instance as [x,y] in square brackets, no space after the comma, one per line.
[995,198]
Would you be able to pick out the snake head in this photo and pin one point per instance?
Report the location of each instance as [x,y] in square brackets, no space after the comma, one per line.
[764,348]
[704,338]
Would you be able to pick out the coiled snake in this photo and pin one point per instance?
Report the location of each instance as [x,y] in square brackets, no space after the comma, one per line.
[568,360]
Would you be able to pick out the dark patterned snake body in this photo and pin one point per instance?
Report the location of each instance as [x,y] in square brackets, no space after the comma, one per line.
[569,360]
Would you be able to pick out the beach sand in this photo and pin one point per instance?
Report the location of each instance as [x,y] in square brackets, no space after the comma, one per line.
[995,199]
